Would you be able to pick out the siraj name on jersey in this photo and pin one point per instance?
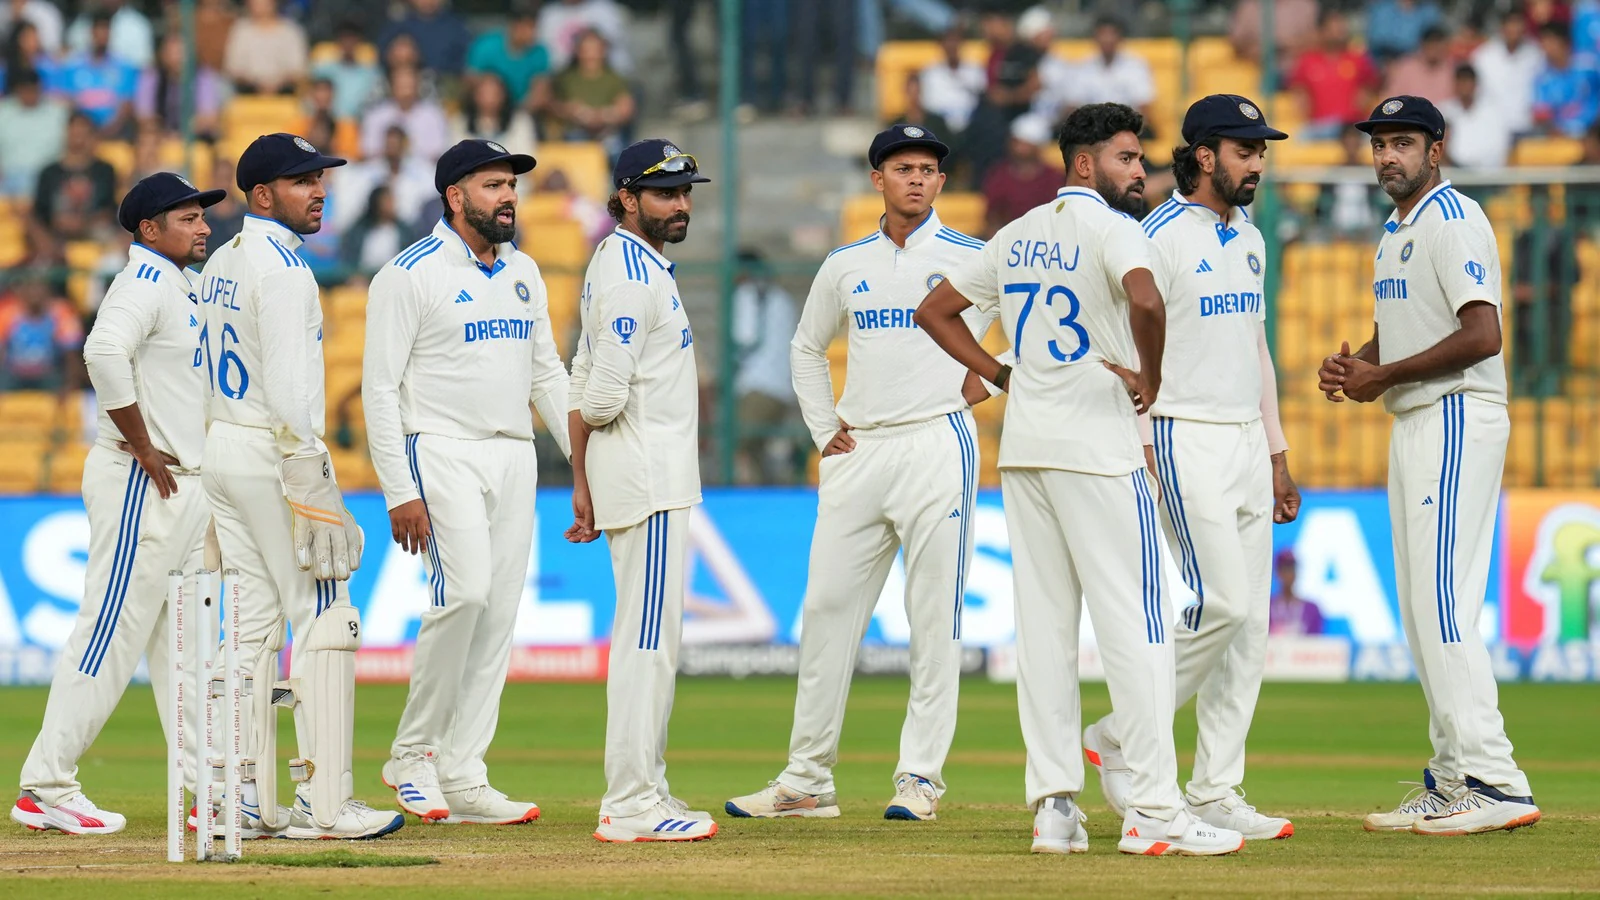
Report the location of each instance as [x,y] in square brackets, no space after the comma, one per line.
[1042,255]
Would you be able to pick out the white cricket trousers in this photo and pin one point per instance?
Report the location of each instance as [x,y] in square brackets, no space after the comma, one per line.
[135,539]
[1445,463]
[1078,538]
[480,499]
[649,561]
[255,533]
[903,486]
[1216,493]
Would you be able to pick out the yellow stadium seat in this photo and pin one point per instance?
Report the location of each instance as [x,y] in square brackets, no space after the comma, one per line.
[1299,154]
[30,414]
[564,292]
[556,244]
[65,466]
[328,52]
[260,114]
[1547,151]
[119,154]
[586,166]
[22,464]
[13,237]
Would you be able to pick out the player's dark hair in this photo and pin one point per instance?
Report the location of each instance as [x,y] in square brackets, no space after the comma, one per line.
[1186,167]
[1557,30]
[614,205]
[1094,124]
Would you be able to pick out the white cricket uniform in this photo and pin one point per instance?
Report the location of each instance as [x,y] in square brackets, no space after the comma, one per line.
[634,382]
[1216,473]
[263,333]
[909,484]
[1080,509]
[455,352]
[1446,456]
[144,349]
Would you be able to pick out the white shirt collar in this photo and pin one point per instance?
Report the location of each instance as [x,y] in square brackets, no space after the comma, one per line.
[446,233]
[926,230]
[650,251]
[272,228]
[139,253]
[1237,213]
[1394,218]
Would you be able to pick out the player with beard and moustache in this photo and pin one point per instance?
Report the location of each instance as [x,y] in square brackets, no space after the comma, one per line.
[1074,284]
[1218,451]
[635,429]
[458,344]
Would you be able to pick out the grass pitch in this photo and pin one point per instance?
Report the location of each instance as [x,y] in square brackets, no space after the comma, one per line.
[1323,754]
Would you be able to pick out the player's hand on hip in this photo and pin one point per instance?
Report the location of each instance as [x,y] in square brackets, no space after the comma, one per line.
[409,524]
[154,463]
[582,530]
[972,389]
[322,525]
[1142,389]
[1285,493]
[1330,378]
[842,442]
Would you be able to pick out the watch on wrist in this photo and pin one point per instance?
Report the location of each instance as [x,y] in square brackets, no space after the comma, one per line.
[1002,379]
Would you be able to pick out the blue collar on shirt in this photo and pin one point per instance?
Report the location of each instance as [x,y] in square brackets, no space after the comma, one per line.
[918,234]
[161,261]
[487,270]
[1395,221]
[669,267]
[273,228]
[1225,232]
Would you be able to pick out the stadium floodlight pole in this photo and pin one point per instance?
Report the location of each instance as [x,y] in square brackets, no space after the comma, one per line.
[1183,31]
[728,99]
[190,49]
[1267,215]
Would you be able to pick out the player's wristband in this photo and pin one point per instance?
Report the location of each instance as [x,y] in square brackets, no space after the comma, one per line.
[1003,378]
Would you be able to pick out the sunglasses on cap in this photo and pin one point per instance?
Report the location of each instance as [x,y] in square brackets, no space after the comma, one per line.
[679,164]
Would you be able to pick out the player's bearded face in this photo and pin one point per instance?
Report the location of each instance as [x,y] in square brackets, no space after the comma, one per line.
[1402,162]
[1127,196]
[1236,176]
[497,222]
[181,235]
[664,214]
[1119,174]
[297,201]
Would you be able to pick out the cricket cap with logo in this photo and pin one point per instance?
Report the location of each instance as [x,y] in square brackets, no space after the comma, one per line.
[900,137]
[1418,112]
[278,155]
[155,194]
[1227,116]
[655,163]
[472,154]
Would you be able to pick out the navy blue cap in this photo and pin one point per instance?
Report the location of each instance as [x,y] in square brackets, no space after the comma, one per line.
[655,162]
[273,156]
[1229,116]
[155,194]
[1406,110]
[899,137]
[471,155]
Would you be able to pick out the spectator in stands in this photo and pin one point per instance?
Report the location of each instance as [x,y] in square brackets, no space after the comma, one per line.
[1507,67]
[1294,25]
[1037,29]
[441,36]
[1427,72]
[40,337]
[1113,75]
[354,80]
[764,320]
[160,94]
[376,237]
[824,36]
[1466,40]
[1544,272]
[487,113]
[512,54]
[100,83]
[1480,138]
[213,21]
[147,146]
[1333,81]
[691,95]
[23,51]
[42,15]
[1291,615]
[917,112]
[1022,180]
[562,24]
[1583,199]
[132,38]
[266,51]
[591,100]
[950,88]
[1395,27]
[1566,95]
[1013,71]
[33,130]
[408,177]
[226,218]
[1586,27]
[402,53]
[78,191]
[423,120]
[1539,13]
[1352,209]
[766,37]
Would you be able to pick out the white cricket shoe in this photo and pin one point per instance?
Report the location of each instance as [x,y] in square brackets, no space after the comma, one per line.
[1232,813]
[356,822]
[1058,827]
[1479,809]
[1116,779]
[414,776]
[781,801]
[915,800]
[75,815]
[483,805]
[1427,797]
[681,810]
[250,827]
[658,823]
[1184,835]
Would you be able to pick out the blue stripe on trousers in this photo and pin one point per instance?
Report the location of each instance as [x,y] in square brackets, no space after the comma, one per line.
[1167,466]
[1454,409]
[969,454]
[121,571]
[655,565]
[661,567]
[1149,560]
[435,577]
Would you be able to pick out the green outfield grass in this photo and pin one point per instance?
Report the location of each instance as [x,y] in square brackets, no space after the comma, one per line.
[1324,754]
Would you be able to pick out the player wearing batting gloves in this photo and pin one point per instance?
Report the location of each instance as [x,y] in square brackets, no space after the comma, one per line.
[141,487]
[458,346]
[636,466]
[280,516]
[899,470]
[1435,360]
[1074,283]
[1218,451]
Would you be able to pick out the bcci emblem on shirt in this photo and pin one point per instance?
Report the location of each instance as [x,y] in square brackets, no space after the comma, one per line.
[523,293]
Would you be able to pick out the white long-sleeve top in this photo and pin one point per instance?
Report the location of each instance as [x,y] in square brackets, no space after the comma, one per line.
[145,348]
[263,334]
[635,383]
[894,372]
[456,348]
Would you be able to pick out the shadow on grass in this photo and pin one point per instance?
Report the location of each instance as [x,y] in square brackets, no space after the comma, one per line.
[341,859]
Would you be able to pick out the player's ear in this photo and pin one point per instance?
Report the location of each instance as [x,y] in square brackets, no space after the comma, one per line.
[877,180]
[1205,158]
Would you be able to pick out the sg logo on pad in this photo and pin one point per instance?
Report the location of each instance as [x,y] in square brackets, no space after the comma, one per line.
[624,326]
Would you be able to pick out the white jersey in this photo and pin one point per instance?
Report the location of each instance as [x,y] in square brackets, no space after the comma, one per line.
[456,348]
[1211,275]
[634,381]
[263,334]
[145,348]
[1055,275]
[895,374]
[1439,258]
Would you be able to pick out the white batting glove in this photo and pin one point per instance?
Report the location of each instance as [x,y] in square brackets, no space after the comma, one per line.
[323,528]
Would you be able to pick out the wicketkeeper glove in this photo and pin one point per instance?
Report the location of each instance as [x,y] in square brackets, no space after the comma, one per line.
[327,539]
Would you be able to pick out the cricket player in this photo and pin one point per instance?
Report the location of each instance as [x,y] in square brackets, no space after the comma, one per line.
[458,344]
[141,487]
[1069,278]
[263,320]
[1435,360]
[899,471]
[635,427]
[1219,454]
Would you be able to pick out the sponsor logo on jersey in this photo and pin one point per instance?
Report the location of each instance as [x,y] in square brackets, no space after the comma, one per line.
[861,288]
[624,326]
[523,293]
[1204,267]
[1254,261]
[1248,302]
[499,330]
[869,319]
[1476,270]
[463,297]
[1389,289]
[1405,252]
[1042,255]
